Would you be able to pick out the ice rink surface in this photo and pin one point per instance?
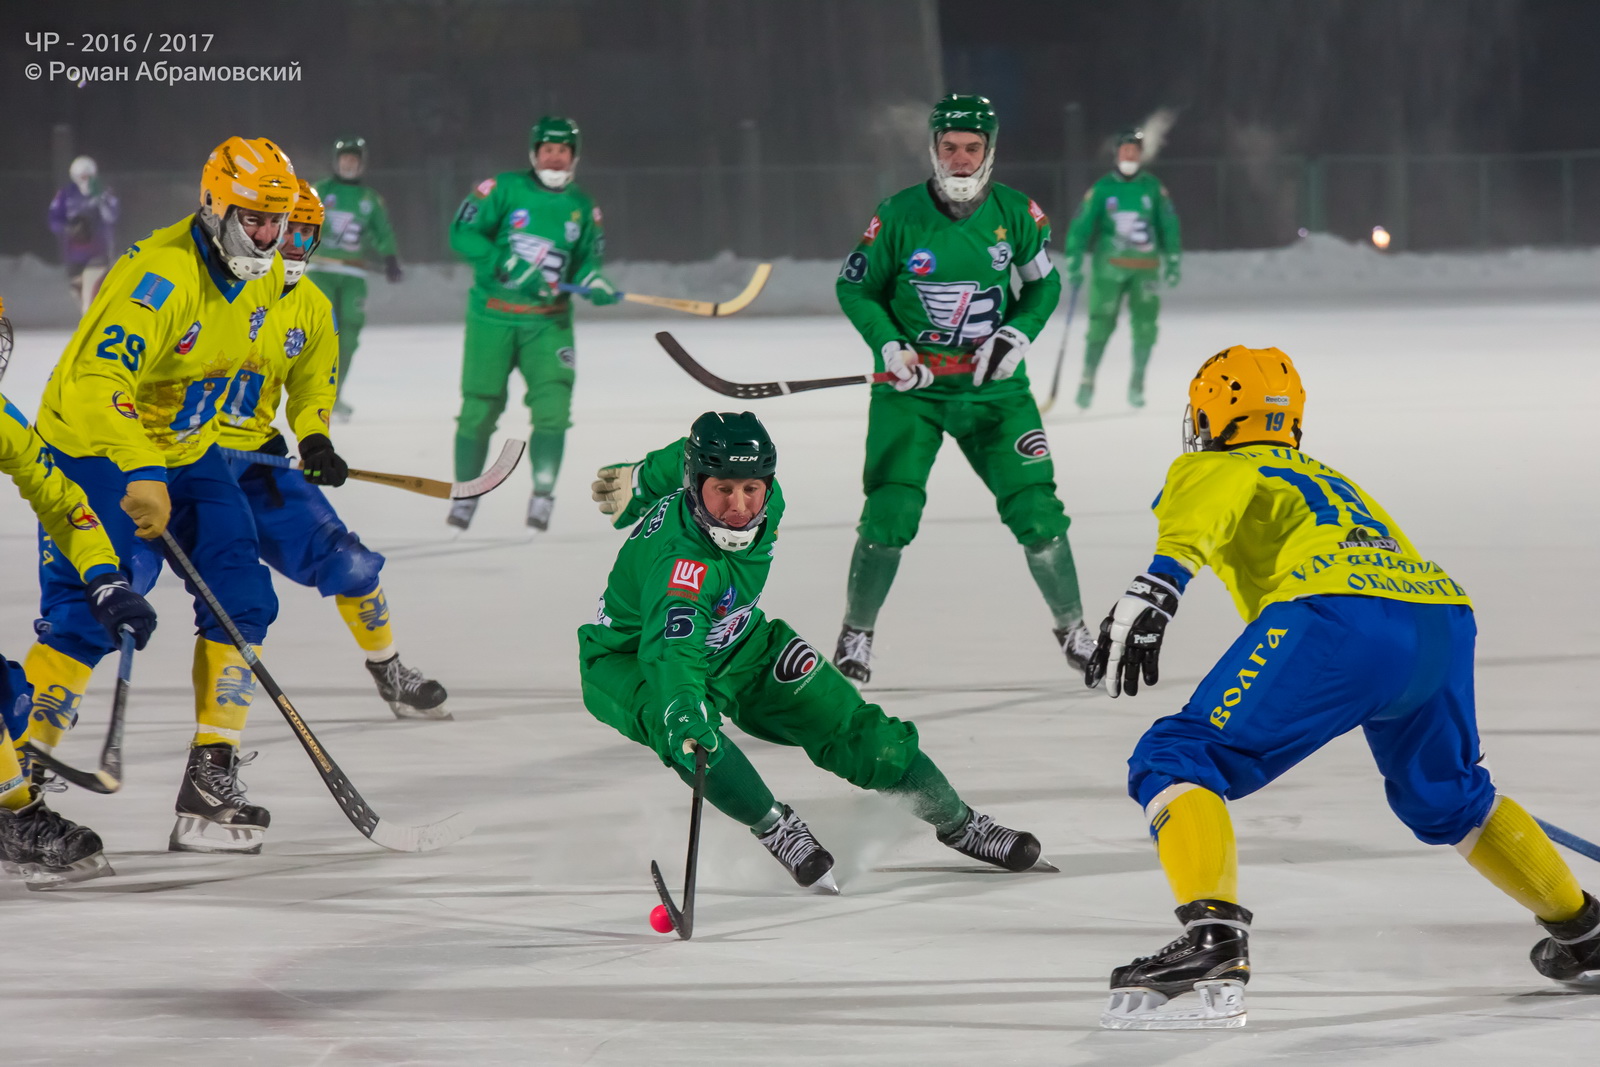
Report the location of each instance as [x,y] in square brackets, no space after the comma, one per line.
[527,943]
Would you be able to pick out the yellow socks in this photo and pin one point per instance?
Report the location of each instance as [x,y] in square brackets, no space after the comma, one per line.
[223,689]
[1194,838]
[58,683]
[1512,851]
[368,619]
[14,791]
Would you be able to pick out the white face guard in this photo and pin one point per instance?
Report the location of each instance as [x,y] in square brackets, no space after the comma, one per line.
[554,179]
[959,190]
[295,269]
[1128,167]
[244,260]
[731,540]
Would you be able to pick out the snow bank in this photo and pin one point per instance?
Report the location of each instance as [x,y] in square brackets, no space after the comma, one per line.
[1317,269]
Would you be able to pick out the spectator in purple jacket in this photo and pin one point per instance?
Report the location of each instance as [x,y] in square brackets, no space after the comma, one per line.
[82,216]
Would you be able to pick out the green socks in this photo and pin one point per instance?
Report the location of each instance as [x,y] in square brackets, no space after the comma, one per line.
[1057,578]
[1141,359]
[872,569]
[733,787]
[544,456]
[931,796]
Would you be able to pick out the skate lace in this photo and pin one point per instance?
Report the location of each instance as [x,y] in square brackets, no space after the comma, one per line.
[987,838]
[50,782]
[855,646]
[402,679]
[1079,641]
[223,782]
[791,841]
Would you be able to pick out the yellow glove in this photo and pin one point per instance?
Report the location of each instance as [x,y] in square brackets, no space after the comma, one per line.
[614,488]
[148,505]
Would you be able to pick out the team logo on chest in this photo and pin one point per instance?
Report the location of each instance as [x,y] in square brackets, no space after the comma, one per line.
[122,404]
[519,219]
[257,317]
[1033,445]
[958,311]
[294,342]
[190,336]
[725,602]
[572,230]
[922,263]
[687,574]
[1000,255]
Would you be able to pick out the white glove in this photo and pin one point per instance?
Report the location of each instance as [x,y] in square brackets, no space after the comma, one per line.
[613,488]
[997,358]
[900,360]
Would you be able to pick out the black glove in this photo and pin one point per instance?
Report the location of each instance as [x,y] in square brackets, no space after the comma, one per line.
[114,604]
[391,268]
[1130,637]
[320,463]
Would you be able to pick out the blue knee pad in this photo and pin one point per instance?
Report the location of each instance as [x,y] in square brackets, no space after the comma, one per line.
[303,538]
[16,698]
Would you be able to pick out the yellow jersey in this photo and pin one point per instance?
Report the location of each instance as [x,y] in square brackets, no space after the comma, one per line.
[71,527]
[140,381]
[1275,524]
[298,354]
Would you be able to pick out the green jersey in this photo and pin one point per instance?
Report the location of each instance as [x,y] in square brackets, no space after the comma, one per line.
[943,285]
[1126,222]
[356,235]
[674,599]
[512,226]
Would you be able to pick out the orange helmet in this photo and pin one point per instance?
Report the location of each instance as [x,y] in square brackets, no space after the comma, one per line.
[308,205]
[245,175]
[308,211]
[1244,396]
[5,339]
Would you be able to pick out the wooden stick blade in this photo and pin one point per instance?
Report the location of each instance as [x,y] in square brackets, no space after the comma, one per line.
[758,281]
[706,308]
[506,462]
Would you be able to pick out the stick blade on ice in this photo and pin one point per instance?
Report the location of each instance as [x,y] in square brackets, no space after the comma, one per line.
[426,838]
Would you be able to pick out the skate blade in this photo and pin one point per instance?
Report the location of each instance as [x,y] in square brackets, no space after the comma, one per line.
[825,885]
[192,833]
[1588,981]
[439,713]
[40,878]
[1217,1005]
[1042,866]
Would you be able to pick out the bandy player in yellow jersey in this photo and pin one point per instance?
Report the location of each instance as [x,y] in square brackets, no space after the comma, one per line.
[301,536]
[1348,625]
[36,842]
[130,415]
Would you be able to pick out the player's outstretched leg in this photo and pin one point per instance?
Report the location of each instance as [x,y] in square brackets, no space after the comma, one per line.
[934,800]
[792,844]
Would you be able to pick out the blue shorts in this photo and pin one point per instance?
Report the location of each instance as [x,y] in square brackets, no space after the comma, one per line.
[210,520]
[301,536]
[1307,671]
[16,700]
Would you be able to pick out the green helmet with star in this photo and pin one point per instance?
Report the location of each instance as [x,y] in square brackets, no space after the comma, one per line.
[961,111]
[356,146]
[727,445]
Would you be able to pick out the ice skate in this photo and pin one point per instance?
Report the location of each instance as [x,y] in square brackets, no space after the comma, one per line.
[47,849]
[1211,960]
[342,412]
[1136,395]
[408,693]
[853,657]
[461,513]
[213,815]
[984,839]
[1571,954]
[793,844]
[540,505]
[1077,644]
[1085,395]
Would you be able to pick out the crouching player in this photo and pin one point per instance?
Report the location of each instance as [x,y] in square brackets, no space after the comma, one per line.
[301,536]
[679,646]
[36,842]
[1348,626]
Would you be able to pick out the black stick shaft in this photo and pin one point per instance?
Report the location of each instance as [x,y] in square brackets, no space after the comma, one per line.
[1066,333]
[692,864]
[111,753]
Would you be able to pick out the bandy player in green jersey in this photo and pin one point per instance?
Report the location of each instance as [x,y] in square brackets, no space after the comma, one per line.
[679,646]
[358,235]
[928,284]
[1129,227]
[524,232]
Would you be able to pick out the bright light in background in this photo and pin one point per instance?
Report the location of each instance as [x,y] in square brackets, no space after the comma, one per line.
[1380,238]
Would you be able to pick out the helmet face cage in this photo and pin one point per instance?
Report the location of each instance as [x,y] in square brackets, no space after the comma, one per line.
[5,344]
[727,446]
[245,259]
[969,114]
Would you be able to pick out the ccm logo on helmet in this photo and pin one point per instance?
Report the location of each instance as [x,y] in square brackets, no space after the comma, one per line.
[1033,444]
[743,459]
[797,660]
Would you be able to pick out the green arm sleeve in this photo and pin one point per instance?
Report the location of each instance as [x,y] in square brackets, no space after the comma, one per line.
[590,254]
[1167,224]
[379,235]
[866,285]
[672,638]
[1041,282]
[472,234]
[1081,232]
[654,476]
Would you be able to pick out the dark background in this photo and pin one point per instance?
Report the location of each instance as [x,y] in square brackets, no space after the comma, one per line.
[772,128]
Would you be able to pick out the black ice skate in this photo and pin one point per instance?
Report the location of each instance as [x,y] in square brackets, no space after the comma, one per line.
[984,839]
[1571,953]
[461,513]
[797,848]
[409,694]
[213,815]
[1077,644]
[540,505]
[853,657]
[1211,960]
[47,849]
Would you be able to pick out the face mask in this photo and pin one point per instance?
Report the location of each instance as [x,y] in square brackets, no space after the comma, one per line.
[1128,167]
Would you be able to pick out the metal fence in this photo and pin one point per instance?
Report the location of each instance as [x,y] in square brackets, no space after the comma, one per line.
[686,213]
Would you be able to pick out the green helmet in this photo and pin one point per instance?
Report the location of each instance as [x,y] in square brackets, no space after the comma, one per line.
[1131,135]
[1134,136]
[350,145]
[963,112]
[555,129]
[725,445]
